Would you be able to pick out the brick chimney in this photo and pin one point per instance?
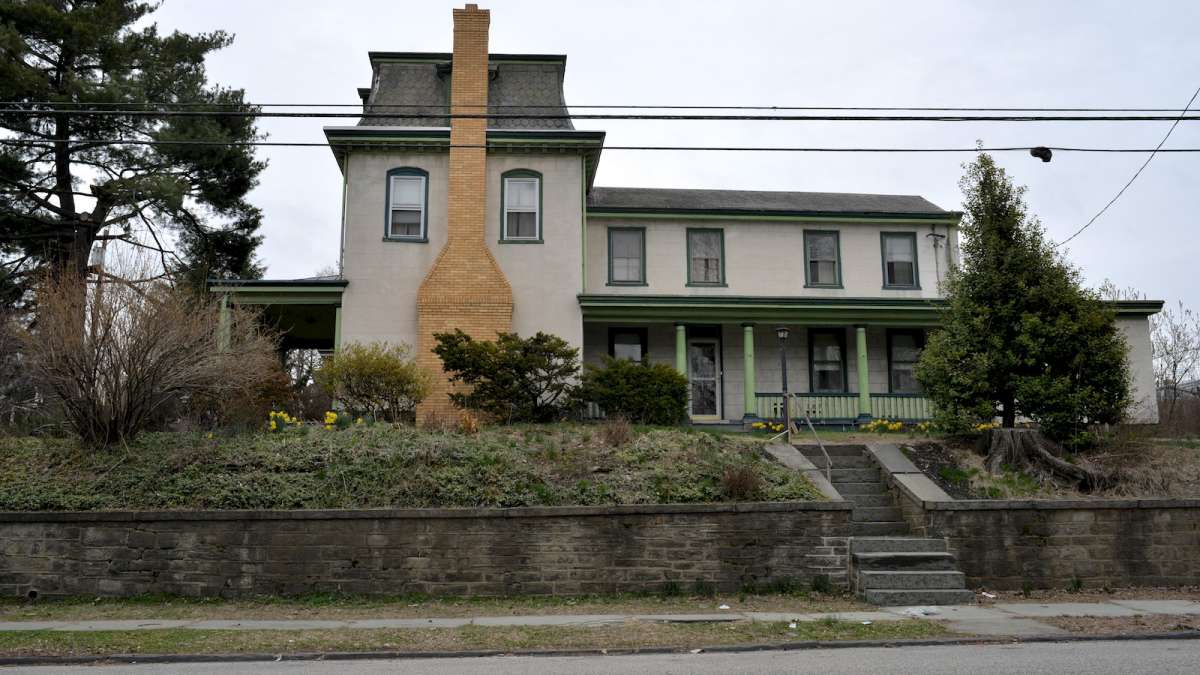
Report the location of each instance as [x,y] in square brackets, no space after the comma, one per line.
[465,288]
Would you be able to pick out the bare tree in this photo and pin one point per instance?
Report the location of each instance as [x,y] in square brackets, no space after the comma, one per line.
[1175,337]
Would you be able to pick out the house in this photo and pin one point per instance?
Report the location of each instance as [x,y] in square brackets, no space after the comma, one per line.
[496,225]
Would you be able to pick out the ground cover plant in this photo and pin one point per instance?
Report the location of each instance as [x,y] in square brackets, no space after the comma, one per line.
[386,465]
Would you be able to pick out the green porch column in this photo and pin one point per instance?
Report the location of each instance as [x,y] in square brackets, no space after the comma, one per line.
[681,348]
[223,324]
[748,358]
[864,375]
[337,328]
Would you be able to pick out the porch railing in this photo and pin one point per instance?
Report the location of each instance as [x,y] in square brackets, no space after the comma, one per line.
[843,407]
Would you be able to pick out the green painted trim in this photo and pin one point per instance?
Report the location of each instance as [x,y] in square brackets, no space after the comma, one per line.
[863,370]
[840,335]
[667,214]
[837,245]
[920,341]
[1135,307]
[681,351]
[387,204]
[282,287]
[520,173]
[883,237]
[911,313]
[748,375]
[583,233]
[407,240]
[650,301]
[688,259]
[642,232]
[337,328]
[446,57]
[223,325]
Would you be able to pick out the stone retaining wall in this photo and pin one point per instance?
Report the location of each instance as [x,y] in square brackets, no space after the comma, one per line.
[540,551]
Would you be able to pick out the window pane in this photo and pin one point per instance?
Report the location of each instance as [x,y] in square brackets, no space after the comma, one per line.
[704,248]
[900,274]
[827,377]
[626,244]
[826,347]
[822,272]
[703,360]
[521,193]
[899,248]
[627,269]
[903,380]
[405,223]
[522,225]
[904,347]
[627,346]
[822,246]
[706,244]
[408,191]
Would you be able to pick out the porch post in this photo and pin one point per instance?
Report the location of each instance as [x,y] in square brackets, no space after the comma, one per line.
[864,376]
[681,348]
[748,378]
[337,328]
[223,324]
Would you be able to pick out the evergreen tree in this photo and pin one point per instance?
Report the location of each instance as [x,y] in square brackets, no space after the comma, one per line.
[1020,335]
[61,185]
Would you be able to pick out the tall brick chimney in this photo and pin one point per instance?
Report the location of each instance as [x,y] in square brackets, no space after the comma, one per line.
[465,288]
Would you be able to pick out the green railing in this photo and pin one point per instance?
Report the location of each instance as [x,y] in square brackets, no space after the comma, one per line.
[842,407]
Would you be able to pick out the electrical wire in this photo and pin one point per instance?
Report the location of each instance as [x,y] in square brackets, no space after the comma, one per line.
[1137,173]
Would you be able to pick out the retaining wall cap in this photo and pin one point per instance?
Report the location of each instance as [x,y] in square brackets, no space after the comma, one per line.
[921,488]
[891,458]
[419,514]
[1059,504]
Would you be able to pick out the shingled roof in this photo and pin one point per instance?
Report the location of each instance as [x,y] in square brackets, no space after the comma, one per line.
[520,84]
[758,201]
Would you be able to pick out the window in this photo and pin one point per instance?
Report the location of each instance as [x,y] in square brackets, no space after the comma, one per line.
[627,343]
[821,256]
[407,192]
[627,256]
[522,196]
[899,260]
[904,347]
[827,362]
[706,265]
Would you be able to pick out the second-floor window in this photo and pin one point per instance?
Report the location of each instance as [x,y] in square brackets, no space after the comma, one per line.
[899,260]
[821,257]
[627,256]
[706,252]
[406,204]
[522,206]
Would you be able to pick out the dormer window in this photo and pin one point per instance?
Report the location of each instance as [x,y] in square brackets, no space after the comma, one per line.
[521,219]
[408,192]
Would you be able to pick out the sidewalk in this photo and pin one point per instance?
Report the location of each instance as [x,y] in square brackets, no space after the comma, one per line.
[1002,619]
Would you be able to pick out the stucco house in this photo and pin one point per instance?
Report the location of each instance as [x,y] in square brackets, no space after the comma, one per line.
[496,224]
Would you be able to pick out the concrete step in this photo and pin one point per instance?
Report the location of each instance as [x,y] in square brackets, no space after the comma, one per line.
[902,560]
[903,598]
[910,580]
[870,500]
[835,450]
[859,529]
[854,476]
[897,545]
[840,461]
[876,514]
[861,488]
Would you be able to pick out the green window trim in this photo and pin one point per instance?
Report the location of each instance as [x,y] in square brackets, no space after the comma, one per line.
[837,265]
[688,259]
[641,231]
[387,206]
[912,236]
[839,334]
[504,177]
[919,340]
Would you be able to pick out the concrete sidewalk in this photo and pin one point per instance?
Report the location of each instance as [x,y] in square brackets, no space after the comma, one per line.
[1002,619]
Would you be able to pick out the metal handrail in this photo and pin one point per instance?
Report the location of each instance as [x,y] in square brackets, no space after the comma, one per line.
[788,432]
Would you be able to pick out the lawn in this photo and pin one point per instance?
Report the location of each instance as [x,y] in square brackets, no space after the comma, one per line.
[394,466]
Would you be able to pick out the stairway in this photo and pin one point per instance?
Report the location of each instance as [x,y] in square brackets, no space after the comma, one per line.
[887,565]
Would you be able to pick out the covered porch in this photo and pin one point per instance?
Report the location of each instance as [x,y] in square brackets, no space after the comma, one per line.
[848,360]
[306,312]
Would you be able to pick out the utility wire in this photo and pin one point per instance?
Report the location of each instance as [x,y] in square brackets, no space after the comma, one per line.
[1137,173]
[167,105]
[552,146]
[604,116]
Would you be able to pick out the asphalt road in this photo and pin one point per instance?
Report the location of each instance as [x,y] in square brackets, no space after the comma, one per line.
[1083,658]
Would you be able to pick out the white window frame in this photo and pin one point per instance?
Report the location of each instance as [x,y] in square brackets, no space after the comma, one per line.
[536,210]
[421,206]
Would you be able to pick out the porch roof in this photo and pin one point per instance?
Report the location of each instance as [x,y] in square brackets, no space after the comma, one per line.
[304,311]
[791,310]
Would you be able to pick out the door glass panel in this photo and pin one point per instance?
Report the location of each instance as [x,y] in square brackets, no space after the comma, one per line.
[704,397]
[703,360]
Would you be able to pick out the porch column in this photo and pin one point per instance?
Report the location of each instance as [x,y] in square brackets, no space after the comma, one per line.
[681,348]
[223,324]
[337,328]
[748,359]
[864,376]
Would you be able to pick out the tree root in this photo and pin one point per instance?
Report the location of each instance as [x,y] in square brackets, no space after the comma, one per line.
[1028,450]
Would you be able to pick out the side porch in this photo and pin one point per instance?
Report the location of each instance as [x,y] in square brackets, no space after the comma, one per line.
[847,360]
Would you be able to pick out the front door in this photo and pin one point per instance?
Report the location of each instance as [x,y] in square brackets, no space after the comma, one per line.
[704,376]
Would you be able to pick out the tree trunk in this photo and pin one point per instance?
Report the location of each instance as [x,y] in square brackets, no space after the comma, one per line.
[1028,450]
[1008,418]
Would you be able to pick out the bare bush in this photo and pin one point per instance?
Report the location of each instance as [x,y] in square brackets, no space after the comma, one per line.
[742,482]
[19,401]
[114,357]
[616,431]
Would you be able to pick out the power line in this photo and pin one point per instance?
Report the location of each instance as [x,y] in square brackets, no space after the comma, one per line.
[602,116]
[552,146]
[1137,173]
[164,106]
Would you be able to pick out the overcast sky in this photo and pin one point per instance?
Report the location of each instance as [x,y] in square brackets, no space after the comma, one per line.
[986,54]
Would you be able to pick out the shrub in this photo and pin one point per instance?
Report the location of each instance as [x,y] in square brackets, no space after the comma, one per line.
[644,393]
[741,482]
[512,379]
[378,379]
[616,431]
[114,360]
